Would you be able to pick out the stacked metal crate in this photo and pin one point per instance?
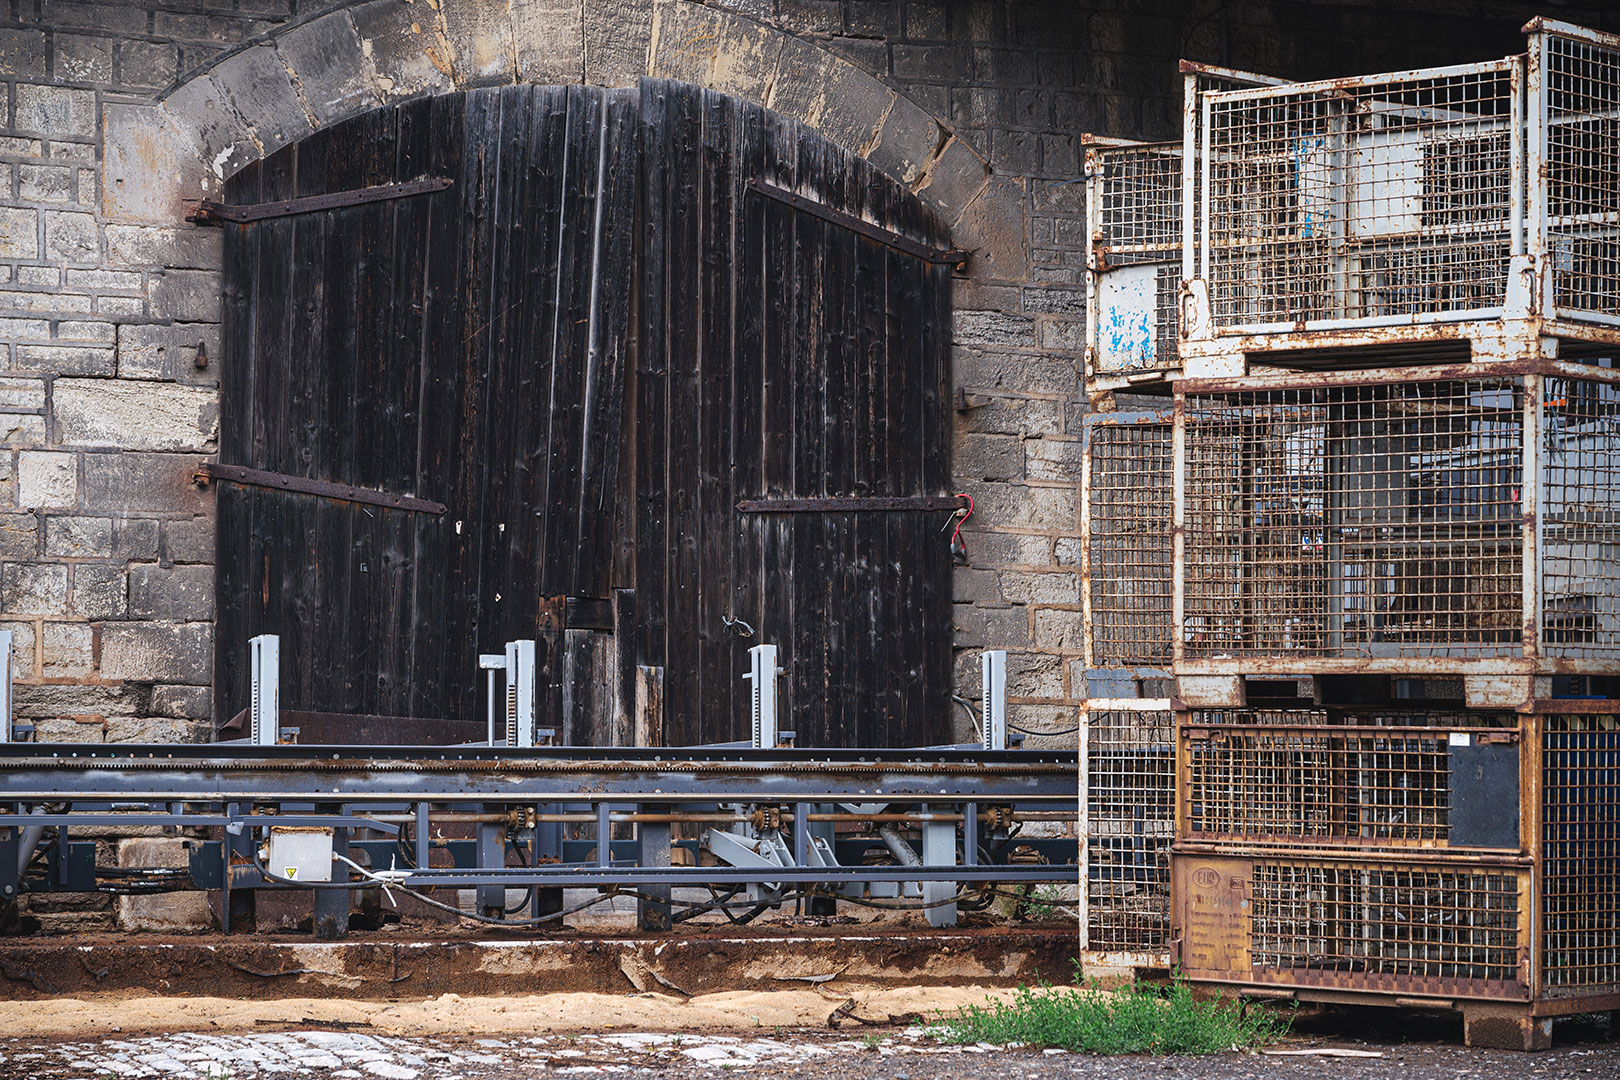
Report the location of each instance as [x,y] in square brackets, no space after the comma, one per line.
[1394,537]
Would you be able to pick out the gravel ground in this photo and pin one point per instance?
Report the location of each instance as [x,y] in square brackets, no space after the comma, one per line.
[1414,1052]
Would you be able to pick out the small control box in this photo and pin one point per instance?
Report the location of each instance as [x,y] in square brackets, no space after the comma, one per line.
[299,854]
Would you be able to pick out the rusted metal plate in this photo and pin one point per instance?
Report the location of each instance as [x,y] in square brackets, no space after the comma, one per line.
[1212,904]
[213,213]
[325,489]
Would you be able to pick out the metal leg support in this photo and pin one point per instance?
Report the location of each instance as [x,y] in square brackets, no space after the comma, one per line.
[548,838]
[939,849]
[491,853]
[653,914]
[332,905]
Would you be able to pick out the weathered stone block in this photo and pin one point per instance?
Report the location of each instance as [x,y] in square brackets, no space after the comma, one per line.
[101,537]
[1046,727]
[151,167]
[177,592]
[1058,628]
[55,110]
[198,109]
[477,39]
[19,233]
[997,329]
[135,482]
[616,41]
[715,49]
[955,178]
[45,183]
[907,141]
[100,591]
[22,53]
[189,541]
[989,457]
[323,58]
[134,416]
[549,36]
[46,478]
[22,429]
[146,245]
[33,589]
[171,913]
[19,536]
[71,236]
[401,49]
[974,586]
[183,702]
[147,351]
[66,359]
[256,86]
[1034,675]
[154,729]
[81,59]
[87,728]
[149,65]
[993,227]
[187,295]
[67,650]
[22,655]
[1053,458]
[1058,586]
[166,652]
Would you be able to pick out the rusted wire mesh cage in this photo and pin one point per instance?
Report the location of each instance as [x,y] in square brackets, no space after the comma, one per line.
[1128,754]
[1403,850]
[1134,193]
[1577,110]
[1380,518]
[1125,537]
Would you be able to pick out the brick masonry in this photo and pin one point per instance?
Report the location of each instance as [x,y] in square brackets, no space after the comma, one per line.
[119,112]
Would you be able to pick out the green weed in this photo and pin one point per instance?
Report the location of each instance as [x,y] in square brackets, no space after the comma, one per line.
[1140,1019]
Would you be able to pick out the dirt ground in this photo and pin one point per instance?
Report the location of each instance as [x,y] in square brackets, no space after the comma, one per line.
[765,1035]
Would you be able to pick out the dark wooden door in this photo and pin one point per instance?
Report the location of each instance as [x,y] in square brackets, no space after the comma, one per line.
[589,348]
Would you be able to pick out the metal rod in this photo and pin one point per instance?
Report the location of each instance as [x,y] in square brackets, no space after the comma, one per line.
[209,211]
[325,489]
[902,244]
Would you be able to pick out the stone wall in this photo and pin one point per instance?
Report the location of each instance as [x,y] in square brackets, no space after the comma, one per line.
[120,113]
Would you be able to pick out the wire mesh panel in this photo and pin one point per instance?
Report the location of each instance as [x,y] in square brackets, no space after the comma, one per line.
[1135,193]
[1130,823]
[1309,776]
[1580,517]
[1369,201]
[1382,925]
[1128,509]
[1580,904]
[1374,519]
[1581,85]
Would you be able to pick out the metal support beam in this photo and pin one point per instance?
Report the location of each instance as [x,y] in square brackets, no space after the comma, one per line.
[652,910]
[762,673]
[993,664]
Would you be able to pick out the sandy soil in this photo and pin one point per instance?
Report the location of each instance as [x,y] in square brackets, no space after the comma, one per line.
[99,1015]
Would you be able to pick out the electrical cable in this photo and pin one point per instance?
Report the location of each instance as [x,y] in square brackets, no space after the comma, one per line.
[1029,731]
[973,717]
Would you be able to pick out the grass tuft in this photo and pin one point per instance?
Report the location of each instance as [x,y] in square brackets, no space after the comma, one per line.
[1141,1019]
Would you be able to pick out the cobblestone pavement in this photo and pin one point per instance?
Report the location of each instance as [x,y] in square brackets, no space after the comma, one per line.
[885,1055]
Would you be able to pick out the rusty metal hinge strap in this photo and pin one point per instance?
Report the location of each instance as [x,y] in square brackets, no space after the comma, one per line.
[209,211]
[856,505]
[887,237]
[325,489]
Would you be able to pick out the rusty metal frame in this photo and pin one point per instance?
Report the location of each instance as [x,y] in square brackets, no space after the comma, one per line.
[1142,955]
[1088,459]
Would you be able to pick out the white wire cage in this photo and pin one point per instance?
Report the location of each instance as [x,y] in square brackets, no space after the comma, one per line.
[1476,193]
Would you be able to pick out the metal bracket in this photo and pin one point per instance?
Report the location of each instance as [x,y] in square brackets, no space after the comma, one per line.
[762,677]
[325,489]
[209,212]
[264,715]
[520,715]
[993,665]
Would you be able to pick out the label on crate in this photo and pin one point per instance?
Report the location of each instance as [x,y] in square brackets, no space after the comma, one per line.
[1461,738]
[1215,913]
